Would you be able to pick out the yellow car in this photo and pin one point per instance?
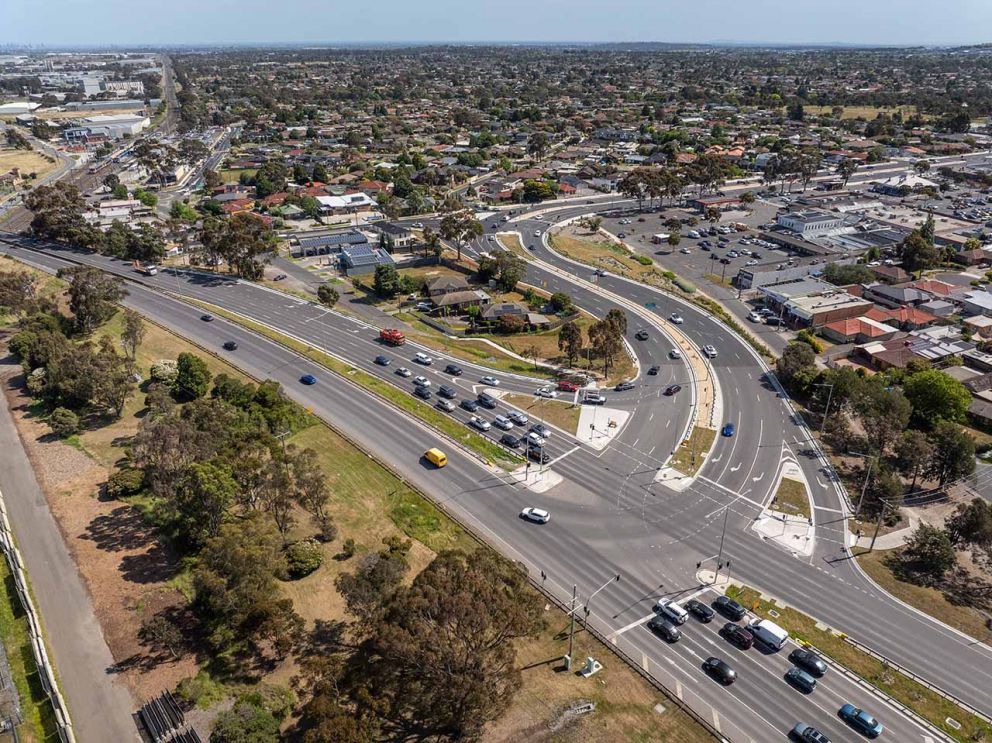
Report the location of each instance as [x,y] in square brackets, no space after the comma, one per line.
[436,457]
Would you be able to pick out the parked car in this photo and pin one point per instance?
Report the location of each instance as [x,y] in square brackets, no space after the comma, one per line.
[308,379]
[720,670]
[453,369]
[490,381]
[469,405]
[800,679]
[736,634]
[481,423]
[729,608]
[666,629]
[538,515]
[517,417]
[449,392]
[404,372]
[754,317]
[382,360]
[700,610]
[230,346]
[861,721]
[673,389]
[808,661]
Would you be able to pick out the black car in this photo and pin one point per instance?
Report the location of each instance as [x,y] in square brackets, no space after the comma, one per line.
[641,335]
[541,430]
[537,454]
[230,346]
[666,629]
[725,261]
[705,248]
[487,401]
[508,439]
[720,670]
[808,661]
[673,389]
[624,386]
[773,321]
[207,318]
[449,392]
[469,405]
[736,634]
[756,256]
[382,360]
[453,370]
[423,393]
[729,608]
[653,371]
[700,610]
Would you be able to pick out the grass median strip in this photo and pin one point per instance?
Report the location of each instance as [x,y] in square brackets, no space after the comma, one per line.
[791,498]
[562,414]
[691,453]
[926,703]
[434,418]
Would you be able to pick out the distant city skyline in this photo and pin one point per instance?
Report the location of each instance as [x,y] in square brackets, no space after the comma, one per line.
[800,22]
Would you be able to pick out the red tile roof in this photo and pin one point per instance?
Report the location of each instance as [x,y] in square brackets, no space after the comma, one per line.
[912,315]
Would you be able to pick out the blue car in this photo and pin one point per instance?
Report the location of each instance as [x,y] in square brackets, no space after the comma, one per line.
[728,430]
[861,721]
[308,379]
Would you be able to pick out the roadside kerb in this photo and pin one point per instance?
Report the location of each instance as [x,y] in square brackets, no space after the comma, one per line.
[46,673]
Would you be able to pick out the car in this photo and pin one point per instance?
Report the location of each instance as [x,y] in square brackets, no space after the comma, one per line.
[517,417]
[594,398]
[754,317]
[751,262]
[710,352]
[537,454]
[622,235]
[422,358]
[685,251]
[418,225]
[666,629]
[547,392]
[423,393]
[705,248]
[541,430]
[567,386]
[624,386]
[800,679]
[653,371]
[207,318]
[421,381]
[446,405]
[720,670]
[808,661]
[673,389]
[382,360]
[404,372]
[230,346]
[773,321]
[308,379]
[736,634]
[641,335]
[538,515]
[725,261]
[729,608]
[860,720]
[537,233]
[676,318]
[600,272]
[448,392]
[490,380]
[733,254]
[424,307]
[469,405]
[535,439]
[279,277]
[486,401]
[453,369]
[481,423]
[508,439]
[700,610]
[675,354]
[728,430]
[501,421]
[807,734]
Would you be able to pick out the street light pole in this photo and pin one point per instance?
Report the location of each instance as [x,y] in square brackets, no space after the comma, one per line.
[571,630]
[614,579]
[719,556]
[826,410]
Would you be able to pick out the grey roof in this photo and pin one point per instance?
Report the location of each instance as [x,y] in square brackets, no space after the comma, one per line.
[392,228]
[354,256]
[340,238]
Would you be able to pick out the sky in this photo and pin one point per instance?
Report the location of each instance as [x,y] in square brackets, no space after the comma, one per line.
[164,22]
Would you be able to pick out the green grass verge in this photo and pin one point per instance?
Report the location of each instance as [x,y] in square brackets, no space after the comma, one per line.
[791,498]
[429,415]
[39,717]
[927,704]
[692,452]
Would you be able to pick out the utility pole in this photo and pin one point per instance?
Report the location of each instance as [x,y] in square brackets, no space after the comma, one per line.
[864,488]
[571,630]
[826,410]
[878,524]
[719,556]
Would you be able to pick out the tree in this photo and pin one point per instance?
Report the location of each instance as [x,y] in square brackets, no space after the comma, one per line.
[884,414]
[386,281]
[244,239]
[674,239]
[201,501]
[971,523]
[712,214]
[451,689]
[928,230]
[511,324]
[18,292]
[58,214]
[64,423]
[163,634]
[840,274]
[605,340]
[236,594]
[748,198]
[795,365]
[954,453]
[930,551]
[512,269]
[461,227]
[846,168]
[111,181]
[914,453]
[327,295]
[537,145]
[378,576]
[618,319]
[245,722]
[192,377]
[561,303]
[570,341]
[917,252]
[132,334]
[92,295]
[936,397]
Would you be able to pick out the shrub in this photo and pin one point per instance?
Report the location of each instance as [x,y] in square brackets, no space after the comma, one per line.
[63,422]
[809,339]
[164,370]
[348,548]
[303,558]
[643,260]
[125,482]
[684,285]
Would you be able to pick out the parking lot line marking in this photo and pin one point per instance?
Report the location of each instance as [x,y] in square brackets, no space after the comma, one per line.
[616,633]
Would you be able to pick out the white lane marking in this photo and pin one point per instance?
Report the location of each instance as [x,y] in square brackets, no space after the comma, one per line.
[830,510]
[616,633]
[739,465]
[756,479]
[562,456]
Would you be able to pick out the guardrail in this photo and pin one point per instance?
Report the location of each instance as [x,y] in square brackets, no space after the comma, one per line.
[45,671]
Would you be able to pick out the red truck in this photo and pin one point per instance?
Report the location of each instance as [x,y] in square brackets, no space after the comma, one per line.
[392,337]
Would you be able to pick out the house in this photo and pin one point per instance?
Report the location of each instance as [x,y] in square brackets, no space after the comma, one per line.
[905,318]
[461,300]
[567,189]
[818,310]
[702,203]
[980,325]
[400,236]
[441,285]
[857,330]
[896,296]
[346,204]
[977,303]
[890,274]
[362,259]
[324,244]
[501,309]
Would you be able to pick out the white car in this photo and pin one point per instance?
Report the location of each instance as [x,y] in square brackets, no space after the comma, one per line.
[404,372]
[423,358]
[754,317]
[751,262]
[418,225]
[501,421]
[709,351]
[537,233]
[547,392]
[538,515]
[685,251]
[675,354]
[422,381]
[481,423]
[676,318]
[536,440]
[490,380]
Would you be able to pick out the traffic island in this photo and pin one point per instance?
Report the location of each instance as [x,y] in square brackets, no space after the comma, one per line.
[690,455]
[788,518]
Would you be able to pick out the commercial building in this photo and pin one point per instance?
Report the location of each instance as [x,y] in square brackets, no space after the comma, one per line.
[109,127]
[811,222]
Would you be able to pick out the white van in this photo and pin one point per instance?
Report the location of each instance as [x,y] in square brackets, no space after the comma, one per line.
[769,633]
[672,611]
